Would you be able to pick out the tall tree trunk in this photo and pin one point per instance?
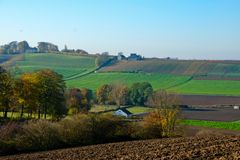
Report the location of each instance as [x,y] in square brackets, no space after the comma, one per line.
[45,112]
[6,110]
[12,113]
[22,106]
[5,113]
[39,113]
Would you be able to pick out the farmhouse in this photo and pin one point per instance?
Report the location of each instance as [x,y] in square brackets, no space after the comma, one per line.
[236,107]
[31,50]
[121,56]
[134,57]
[123,112]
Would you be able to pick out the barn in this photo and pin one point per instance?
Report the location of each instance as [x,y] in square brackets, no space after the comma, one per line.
[123,112]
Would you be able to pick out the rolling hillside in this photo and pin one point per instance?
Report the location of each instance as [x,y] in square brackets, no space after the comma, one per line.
[181,76]
[180,67]
[67,65]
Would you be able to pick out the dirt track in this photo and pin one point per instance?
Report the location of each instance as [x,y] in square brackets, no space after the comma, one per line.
[221,147]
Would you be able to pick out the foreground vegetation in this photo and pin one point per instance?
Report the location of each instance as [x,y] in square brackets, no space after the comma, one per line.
[83,129]
[213,124]
[43,93]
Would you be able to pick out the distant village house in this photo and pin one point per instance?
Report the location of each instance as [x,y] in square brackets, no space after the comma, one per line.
[31,50]
[121,56]
[132,57]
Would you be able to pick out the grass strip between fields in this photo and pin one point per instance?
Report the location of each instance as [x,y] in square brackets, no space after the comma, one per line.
[213,124]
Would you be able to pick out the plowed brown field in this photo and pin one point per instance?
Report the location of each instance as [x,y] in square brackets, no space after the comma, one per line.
[217,147]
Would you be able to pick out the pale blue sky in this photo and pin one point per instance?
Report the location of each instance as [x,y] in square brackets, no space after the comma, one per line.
[188,29]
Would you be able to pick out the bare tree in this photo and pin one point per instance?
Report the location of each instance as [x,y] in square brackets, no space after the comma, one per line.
[119,94]
[165,114]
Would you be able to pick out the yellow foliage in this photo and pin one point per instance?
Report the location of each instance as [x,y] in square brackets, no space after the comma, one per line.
[161,120]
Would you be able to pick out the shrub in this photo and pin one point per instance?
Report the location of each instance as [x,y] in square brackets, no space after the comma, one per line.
[160,123]
[7,147]
[85,129]
[39,135]
[104,127]
[9,131]
[74,130]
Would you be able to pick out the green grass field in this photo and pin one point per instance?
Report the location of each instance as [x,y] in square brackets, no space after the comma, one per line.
[109,108]
[158,81]
[139,109]
[209,87]
[67,65]
[213,124]
[102,108]
[16,115]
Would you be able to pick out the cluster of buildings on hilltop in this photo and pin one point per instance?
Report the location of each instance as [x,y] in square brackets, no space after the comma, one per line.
[132,57]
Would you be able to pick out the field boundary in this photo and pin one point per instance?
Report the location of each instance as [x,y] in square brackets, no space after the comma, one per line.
[90,72]
[181,83]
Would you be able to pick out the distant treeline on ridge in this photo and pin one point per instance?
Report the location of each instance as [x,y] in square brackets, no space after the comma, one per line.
[15,47]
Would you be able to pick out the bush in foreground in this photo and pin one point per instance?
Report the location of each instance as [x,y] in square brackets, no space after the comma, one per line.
[78,130]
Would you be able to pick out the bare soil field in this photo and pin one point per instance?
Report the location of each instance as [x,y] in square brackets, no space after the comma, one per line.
[216,147]
[211,114]
[190,131]
[207,100]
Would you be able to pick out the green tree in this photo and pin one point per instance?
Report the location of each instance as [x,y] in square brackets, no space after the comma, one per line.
[22,46]
[79,100]
[41,92]
[139,93]
[87,97]
[51,93]
[27,91]
[6,88]
[20,95]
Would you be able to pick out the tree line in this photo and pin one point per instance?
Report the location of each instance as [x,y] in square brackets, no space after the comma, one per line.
[120,94]
[43,93]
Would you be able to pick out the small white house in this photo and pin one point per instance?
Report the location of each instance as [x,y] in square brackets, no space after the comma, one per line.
[236,107]
[123,112]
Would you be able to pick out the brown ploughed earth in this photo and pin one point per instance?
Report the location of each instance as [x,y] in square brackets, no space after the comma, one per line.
[211,114]
[209,100]
[211,147]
